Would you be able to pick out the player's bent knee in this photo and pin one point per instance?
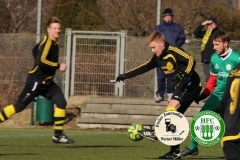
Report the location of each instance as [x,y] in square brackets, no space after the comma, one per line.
[59,100]
[19,106]
[62,105]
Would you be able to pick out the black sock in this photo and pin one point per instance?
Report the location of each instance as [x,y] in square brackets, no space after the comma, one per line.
[176,149]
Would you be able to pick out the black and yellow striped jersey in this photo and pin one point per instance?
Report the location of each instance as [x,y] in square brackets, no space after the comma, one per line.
[46,54]
[230,106]
[172,61]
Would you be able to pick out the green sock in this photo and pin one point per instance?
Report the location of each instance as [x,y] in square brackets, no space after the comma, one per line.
[193,144]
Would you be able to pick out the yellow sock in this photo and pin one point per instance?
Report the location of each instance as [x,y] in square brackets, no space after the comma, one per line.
[7,112]
[59,117]
[169,108]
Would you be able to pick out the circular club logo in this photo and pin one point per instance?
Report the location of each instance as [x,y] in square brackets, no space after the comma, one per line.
[171,128]
[207,128]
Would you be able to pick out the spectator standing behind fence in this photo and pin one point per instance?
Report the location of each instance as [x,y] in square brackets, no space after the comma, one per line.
[174,35]
[40,81]
[207,43]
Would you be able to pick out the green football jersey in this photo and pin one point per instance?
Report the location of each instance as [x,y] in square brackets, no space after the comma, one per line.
[221,67]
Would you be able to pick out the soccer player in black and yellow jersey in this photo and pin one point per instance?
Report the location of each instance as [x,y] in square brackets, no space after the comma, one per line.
[176,65]
[230,112]
[40,81]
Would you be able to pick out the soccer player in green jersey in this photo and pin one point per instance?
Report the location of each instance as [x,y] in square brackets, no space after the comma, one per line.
[222,62]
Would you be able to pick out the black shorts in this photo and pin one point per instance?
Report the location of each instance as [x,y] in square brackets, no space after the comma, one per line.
[231,150]
[187,91]
[33,88]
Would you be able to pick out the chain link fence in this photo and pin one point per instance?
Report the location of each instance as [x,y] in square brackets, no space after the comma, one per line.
[16,60]
[95,63]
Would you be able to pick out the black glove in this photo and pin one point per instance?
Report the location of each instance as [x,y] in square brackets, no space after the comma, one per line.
[179,77]
[121,77]
[200,97]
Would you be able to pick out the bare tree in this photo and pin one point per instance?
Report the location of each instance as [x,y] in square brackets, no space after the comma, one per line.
[22,14]
[78,14]
[136,16]
[191,13]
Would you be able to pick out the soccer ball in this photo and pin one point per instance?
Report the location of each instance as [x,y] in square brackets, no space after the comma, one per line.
[133,131]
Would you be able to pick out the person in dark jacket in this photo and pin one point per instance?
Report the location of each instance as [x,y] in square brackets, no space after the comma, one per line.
[207,43]
[230,112]
[40,81]
[178,66]
[174,35]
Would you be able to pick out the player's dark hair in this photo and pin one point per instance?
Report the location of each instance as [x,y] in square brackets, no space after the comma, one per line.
[221,36]
[53,20]
[155,36]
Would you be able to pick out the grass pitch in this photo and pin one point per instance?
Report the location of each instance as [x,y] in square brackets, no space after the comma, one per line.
[36,144]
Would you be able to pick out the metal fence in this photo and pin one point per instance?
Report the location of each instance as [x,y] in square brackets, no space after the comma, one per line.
[92,60]
[95,61]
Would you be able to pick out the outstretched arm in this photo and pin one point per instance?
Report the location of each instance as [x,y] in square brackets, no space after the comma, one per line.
[147,66]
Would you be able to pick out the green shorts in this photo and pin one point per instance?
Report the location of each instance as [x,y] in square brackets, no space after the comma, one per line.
[212,104]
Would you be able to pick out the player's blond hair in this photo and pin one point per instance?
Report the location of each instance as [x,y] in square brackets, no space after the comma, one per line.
[155,36]
[53,20]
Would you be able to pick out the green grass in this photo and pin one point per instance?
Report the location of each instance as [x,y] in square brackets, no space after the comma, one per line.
[36,144]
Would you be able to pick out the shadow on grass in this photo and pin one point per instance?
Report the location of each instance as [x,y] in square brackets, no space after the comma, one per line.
[198,158]
[209,157]
[17,154]
[100,146]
